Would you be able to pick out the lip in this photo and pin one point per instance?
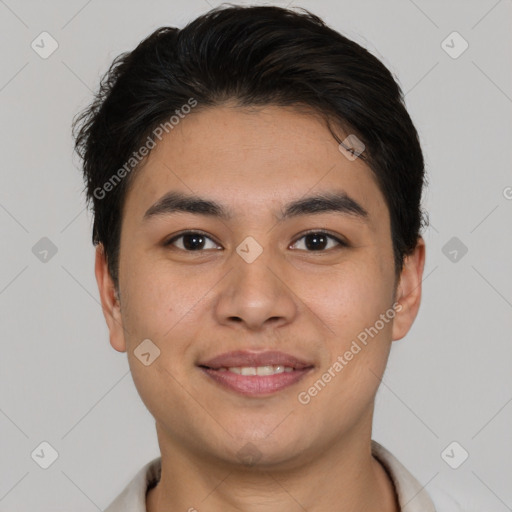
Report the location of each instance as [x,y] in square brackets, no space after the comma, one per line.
[247,358]
[255,385]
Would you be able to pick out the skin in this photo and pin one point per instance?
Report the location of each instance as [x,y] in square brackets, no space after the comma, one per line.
[311,303]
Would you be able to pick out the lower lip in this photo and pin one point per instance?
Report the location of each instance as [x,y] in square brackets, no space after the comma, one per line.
[256,385]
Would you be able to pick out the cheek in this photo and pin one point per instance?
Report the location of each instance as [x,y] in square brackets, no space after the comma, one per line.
[156,300]
[351,303]
[347,299]
[345,388]
[159,307]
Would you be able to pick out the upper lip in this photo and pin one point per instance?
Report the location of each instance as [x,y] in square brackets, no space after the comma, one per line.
[240,358]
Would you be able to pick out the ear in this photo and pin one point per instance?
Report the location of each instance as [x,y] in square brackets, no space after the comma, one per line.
[408,294]
[109,301]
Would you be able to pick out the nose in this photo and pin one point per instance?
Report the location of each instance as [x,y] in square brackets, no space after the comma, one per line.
[256,295]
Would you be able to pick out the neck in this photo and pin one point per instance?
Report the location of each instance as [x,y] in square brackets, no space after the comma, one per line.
[345,478]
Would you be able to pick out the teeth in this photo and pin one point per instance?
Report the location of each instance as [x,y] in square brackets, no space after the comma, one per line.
[260,370]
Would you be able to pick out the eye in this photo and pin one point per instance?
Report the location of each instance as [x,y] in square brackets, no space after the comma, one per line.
[191,241]
[319,241]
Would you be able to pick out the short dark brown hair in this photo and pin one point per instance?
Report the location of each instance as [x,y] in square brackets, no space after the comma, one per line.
[254,56]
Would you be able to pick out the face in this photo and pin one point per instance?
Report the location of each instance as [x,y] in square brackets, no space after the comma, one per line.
[258,269]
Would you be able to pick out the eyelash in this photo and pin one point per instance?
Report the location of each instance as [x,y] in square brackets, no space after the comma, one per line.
[340,242]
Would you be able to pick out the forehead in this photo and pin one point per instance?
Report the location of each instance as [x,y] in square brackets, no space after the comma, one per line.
[251,158]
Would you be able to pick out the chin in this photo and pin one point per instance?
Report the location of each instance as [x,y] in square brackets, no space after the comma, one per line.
[265,451]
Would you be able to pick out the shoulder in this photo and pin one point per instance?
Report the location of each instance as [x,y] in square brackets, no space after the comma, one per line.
[133,496]
[456,501]
[444,501]
[415,497]
[411,495]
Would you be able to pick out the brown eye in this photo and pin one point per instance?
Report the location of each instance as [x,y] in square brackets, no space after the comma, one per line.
[319,241]
[192,241]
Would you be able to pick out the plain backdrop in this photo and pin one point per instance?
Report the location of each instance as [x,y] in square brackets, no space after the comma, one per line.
[61,382]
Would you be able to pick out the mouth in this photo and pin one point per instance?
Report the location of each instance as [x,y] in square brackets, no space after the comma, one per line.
[256,374]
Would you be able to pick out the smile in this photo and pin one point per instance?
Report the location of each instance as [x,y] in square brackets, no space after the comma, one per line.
[257,370]
[256,381]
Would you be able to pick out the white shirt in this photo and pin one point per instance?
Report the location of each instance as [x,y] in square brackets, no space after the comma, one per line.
[412,497]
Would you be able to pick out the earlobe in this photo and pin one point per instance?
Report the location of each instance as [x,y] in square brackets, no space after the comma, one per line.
[109,300]
[409,290]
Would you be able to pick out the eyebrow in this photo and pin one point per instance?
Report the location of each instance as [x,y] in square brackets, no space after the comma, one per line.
[329,202]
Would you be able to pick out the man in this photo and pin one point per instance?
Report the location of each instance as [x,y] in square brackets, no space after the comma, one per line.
[256,184]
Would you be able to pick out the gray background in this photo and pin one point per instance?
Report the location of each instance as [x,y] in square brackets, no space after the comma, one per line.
[61,382]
